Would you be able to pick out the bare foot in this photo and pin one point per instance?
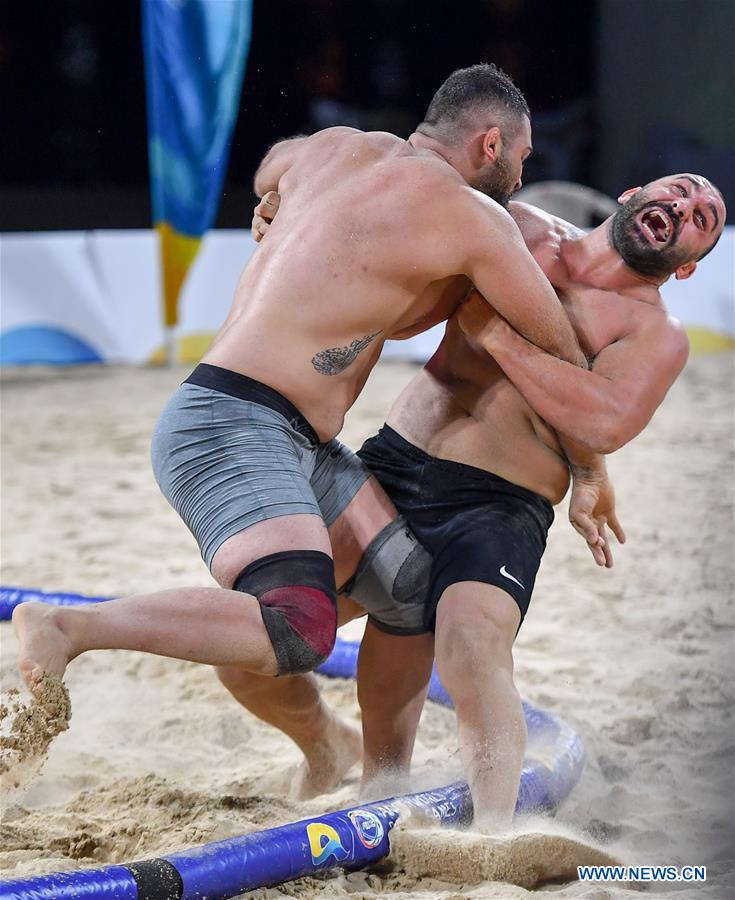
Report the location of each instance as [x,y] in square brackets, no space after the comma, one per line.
[43,646]
[330,760]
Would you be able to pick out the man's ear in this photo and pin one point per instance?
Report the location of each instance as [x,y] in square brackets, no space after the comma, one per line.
[492,144]
[626,195]
[685,271]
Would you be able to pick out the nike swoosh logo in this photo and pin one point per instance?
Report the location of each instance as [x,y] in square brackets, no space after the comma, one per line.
[507,574]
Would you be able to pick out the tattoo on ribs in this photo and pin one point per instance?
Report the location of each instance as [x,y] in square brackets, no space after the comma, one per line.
[336,359]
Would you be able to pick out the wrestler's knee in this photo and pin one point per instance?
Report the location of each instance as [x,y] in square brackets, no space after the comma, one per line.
[238,680]
[230,676]
[298,600]
[475,627]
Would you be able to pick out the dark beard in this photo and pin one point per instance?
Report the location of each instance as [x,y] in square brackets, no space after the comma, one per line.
[636,252]
[495,183]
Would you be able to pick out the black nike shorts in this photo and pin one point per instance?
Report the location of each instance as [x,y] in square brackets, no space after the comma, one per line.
[476,525]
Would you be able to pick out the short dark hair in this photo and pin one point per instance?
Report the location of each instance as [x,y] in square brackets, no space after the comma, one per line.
[466,90]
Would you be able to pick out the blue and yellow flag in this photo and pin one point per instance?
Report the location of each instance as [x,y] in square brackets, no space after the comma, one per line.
[195,53]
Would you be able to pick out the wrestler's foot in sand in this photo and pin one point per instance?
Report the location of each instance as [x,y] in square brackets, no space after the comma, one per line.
[328,762]
[43,645]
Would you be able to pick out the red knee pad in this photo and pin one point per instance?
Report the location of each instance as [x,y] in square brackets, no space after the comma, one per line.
[298,600]
[308,612]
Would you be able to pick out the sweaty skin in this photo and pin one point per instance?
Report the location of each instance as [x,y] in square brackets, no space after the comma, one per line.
[315,304]
[463,407]
[309,318]
[636,349]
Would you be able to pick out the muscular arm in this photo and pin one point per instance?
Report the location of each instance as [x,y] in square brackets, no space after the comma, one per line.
[511,281]
[275,163]
[583,461]
[281,156]
[607,406]
[537,225]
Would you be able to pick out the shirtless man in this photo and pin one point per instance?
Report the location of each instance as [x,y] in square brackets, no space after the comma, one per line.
[470,458]
[245,449]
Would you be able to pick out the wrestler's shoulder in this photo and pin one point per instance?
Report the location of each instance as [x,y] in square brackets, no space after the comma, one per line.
[676,337]
[386,155]
[661,332]
[538,226]
[356,142]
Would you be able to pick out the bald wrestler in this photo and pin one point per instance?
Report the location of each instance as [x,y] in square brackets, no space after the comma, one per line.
[245,449]
[475,454]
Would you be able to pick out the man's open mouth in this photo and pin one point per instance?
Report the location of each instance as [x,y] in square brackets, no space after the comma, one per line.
[657,226]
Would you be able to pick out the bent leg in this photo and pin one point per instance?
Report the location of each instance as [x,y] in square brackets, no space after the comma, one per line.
[393,669]
[392,681]
[476,625]
[204,625]
[293,704]
[215,626]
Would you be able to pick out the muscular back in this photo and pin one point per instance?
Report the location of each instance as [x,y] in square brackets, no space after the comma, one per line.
[315,304]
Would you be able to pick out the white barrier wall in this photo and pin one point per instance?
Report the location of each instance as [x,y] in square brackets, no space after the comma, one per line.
[86,296]
[64,292]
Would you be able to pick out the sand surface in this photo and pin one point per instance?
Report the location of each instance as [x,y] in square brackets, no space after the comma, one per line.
[158,757]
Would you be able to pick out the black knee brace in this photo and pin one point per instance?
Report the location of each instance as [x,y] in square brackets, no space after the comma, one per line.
[298,599]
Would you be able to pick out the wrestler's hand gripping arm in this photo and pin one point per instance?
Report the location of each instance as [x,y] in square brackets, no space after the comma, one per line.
[602,408]
[264,213]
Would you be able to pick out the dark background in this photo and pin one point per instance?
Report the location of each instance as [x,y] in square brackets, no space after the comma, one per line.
[621,91]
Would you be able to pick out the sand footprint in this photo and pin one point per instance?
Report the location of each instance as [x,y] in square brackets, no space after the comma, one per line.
[26,732]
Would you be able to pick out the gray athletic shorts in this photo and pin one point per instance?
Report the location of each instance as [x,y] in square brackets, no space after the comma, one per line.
[225,463]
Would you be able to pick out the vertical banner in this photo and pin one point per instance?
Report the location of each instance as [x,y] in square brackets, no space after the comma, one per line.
[195,53]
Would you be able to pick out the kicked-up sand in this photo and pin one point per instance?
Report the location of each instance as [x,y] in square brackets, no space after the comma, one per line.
[157,756]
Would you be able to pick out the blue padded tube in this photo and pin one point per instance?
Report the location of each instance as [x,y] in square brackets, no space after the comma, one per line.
[350,838]
[110,883]
[10,597]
